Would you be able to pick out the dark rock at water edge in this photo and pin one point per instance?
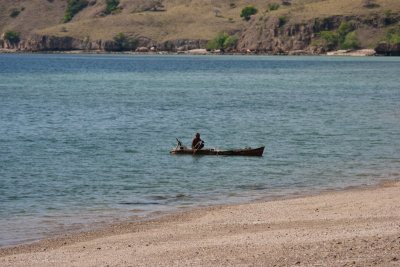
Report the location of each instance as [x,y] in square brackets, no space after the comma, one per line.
[384,48]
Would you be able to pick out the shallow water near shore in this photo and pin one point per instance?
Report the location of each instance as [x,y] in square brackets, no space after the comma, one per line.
[85,139]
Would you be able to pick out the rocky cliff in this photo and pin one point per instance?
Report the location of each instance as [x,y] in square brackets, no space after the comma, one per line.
[277,35]
[37,43]
[388,49]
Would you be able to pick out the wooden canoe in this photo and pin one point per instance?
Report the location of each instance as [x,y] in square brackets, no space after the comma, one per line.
[183,150]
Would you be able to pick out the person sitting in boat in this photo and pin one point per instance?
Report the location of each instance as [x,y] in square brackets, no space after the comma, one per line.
[197,143]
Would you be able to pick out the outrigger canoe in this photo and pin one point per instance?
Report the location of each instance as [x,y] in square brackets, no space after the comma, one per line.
[183,150]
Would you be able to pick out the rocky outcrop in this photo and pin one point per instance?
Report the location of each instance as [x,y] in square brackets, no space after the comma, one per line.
[279,35]
[183,44]
[384,48]
[353,53]
[274,35]
[47,43]
[54,43]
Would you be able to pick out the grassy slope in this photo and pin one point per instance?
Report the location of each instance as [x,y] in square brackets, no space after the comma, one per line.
[37,14]
[182,19]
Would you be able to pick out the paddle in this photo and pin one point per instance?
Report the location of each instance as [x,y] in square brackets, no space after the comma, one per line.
[179,142]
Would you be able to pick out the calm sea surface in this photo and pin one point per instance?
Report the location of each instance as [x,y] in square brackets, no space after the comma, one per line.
[85,139]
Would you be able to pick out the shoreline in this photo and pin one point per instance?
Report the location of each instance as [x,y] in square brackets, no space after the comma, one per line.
[359,217]
[201,52]
[155,215]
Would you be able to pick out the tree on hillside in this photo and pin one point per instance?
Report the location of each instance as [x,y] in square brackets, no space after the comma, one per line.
[351,41]
[121,40]
[329,40]
[344,29]
[222,41]
[273,6]
[15,12]
[112,5]
[216,11]
[11,36]
[134,43]
[74,6]
[247,12]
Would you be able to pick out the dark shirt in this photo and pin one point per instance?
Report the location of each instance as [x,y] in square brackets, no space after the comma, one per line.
[195,141]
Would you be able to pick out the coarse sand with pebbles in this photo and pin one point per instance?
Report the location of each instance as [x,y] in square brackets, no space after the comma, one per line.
[354,228]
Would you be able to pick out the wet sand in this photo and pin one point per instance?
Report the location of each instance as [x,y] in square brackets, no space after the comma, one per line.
[354,228]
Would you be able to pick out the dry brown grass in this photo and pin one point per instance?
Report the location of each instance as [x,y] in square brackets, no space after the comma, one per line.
[182,19]
[37,14]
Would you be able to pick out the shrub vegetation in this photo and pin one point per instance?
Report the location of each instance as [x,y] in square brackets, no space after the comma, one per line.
[11,36]
[134,42]
[344,29]
[86,39]
[169,45]
[74,6]
[122,41]
[247,12]
[370,4]
[329,39]
[282,20]
[15,12]
[273,6]
[230,42]
[351,41]
[345,37]
[393,35]
[222,41]
[112,6]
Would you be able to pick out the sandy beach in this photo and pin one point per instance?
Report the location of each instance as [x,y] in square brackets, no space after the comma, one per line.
[353,228]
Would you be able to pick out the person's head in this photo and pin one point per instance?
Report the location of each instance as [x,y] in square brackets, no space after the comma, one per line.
[197,135]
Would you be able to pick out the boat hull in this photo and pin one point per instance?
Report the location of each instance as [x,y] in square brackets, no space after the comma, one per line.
[255,152]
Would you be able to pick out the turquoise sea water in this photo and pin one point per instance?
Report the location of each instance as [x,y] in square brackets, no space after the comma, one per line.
[85,139]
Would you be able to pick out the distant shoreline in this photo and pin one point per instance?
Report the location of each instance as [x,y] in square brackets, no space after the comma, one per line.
[202,52]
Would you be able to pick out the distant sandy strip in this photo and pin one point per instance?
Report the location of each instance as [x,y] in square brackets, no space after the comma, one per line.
[355,228]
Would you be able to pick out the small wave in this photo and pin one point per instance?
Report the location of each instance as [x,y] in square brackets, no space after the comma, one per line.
[128,188]
[251,187]
[139,203]
[158,197]
[130,151]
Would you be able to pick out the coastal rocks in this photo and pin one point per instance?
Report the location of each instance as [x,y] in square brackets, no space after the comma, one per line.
[142,49]
[185,45]
[384,48]
[54,43]
[275,35]
[38,42]
[354,53]
[49,43]
[197,52]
